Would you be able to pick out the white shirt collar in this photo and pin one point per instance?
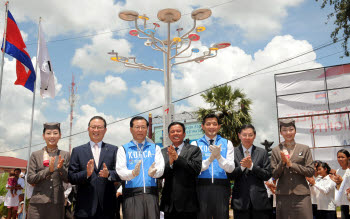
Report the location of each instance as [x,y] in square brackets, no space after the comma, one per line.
[180,148]
[207,138]
[137,143]
[249,149]
[92,144]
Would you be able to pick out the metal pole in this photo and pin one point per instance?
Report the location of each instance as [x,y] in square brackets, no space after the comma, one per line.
[4,46]
[32,120]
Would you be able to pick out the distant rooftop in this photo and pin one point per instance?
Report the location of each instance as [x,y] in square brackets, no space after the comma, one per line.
[12,162]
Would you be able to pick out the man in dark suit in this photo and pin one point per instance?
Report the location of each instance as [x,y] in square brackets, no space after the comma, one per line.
[92,169]
[183,164]
[252,168]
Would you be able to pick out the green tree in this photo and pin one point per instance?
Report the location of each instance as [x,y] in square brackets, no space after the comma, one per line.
[342,17]
[233,108]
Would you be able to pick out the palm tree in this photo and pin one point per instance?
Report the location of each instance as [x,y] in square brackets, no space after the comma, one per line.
[232,107]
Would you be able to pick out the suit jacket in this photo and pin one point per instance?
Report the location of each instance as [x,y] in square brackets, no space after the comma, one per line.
[94,190]
[249,188]
[179,190]
[292,180]
[48,186]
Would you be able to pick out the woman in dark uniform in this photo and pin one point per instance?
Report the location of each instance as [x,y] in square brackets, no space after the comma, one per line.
[48,170]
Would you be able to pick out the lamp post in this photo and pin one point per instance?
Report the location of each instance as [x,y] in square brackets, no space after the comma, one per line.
[175,46]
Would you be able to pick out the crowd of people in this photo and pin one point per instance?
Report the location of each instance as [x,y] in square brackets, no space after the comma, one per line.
[192,180]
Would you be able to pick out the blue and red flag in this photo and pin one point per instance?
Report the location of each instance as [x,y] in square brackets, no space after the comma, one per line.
[16,48]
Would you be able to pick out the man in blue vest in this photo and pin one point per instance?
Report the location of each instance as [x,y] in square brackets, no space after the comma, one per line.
[139,163]
[217,159]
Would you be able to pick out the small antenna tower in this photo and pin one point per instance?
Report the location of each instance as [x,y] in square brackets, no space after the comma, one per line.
[72,98]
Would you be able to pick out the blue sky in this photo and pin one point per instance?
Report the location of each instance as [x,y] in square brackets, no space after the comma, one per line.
[262,33]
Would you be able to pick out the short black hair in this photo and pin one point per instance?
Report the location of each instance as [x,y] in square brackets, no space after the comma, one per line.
[316,163]
[98,117]
[247,126]
[287,125]
[137,118]
[209,116]
[344,151]
[58,128]
[325,165]
[17,169]
[177,123]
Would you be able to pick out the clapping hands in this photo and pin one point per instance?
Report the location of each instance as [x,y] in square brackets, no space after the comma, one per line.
[172,154]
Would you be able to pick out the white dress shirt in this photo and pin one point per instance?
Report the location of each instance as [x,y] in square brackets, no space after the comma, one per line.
[314,192]
[325,195]
[245,155]
[92,144]
[227,164]
[126,174]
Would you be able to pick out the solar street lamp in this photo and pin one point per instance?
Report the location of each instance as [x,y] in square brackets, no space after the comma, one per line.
[172,48]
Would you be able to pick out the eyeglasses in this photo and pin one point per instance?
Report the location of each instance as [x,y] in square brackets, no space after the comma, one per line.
[97,127]
[247,135]
[140,127]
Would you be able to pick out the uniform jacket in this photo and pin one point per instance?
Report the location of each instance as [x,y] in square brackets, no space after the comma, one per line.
[291,180]
[48,187]
[179,190]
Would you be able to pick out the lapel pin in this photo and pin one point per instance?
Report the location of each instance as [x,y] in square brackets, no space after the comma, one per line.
[300,153]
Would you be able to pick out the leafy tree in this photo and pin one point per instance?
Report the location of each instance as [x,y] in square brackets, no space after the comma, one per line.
[232,107]
[342,17]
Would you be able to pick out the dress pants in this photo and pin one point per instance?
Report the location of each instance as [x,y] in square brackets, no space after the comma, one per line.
[321,214]
[182,215]
[344,211]
[213,201]
[99,214]
[252,214]
[143,206]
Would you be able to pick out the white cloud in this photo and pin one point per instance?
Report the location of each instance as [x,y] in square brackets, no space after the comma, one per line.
[67,17]
[150,94]
[63,105]
[256,18]
[110,87]
[93,58]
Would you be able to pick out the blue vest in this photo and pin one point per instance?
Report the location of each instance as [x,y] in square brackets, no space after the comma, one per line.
[214,169]
[147,157]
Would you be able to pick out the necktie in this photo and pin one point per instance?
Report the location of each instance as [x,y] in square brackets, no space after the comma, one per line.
[247,153]
[176,149]
[96,154]
[211,142]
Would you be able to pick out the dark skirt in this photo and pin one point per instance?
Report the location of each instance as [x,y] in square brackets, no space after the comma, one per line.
[293,207]
[45,211]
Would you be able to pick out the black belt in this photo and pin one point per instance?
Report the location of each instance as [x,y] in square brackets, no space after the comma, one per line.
[131,192]
[208,181]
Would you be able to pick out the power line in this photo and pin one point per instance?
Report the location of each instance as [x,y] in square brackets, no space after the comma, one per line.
[186,97]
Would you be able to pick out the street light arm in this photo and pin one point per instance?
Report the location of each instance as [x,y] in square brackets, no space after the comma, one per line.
[177,54]
[194,26]
[185,56]
[152,37]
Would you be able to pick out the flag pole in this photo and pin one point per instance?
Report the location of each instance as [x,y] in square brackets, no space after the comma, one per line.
[4,46]
[32,119]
